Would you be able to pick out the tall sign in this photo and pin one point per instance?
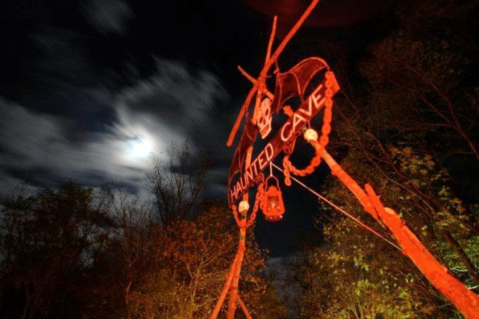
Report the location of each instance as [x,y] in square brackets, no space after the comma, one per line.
[293,83]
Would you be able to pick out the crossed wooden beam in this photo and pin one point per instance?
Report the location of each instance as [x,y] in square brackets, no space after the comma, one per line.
[466,301]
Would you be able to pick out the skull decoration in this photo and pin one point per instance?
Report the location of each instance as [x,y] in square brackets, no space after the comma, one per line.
[243,207]
[264,118]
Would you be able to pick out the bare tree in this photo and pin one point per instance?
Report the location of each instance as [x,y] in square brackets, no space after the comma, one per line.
[49,243]
[177,182]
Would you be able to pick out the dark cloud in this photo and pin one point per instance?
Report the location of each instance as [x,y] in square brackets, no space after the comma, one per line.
[176,96]
[326,14]
[108,16]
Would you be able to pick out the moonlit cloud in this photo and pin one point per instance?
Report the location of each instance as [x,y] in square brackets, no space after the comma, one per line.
[179,104]
[175,104]
[35,149]
[177,97]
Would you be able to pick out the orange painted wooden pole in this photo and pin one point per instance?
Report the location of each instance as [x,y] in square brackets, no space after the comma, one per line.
[348,181]
[253,80]
[271,38]
[236,275]
[243,306]
[466,301]
[268,64]
[225,290]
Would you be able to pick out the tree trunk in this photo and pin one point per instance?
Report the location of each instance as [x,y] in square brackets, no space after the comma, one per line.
[462,255]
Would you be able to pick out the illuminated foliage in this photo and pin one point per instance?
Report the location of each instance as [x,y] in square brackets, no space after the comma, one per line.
[193,261]
[411,134]
[77,251]
[356,275]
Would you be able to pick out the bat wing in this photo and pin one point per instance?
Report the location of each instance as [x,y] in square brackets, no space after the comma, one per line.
[294,82]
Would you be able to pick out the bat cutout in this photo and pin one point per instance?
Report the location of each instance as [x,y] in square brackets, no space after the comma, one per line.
[288,84]
[294,82]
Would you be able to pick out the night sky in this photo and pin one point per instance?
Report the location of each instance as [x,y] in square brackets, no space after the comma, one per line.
[85,83]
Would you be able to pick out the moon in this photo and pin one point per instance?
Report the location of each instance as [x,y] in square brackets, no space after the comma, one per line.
[140,148]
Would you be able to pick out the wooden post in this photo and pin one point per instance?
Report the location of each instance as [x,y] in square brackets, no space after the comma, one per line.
[466,301]
[236,275]
[225,290]
[268,64]
[243,306]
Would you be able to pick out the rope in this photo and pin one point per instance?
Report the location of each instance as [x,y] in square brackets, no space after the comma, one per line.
[340,209]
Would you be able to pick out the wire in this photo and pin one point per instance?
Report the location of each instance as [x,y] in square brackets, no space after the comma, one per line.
[340,209]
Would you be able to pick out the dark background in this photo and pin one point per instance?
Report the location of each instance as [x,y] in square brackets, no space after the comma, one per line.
[79,77]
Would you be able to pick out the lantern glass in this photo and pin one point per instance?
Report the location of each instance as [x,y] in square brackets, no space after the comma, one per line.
[273,205]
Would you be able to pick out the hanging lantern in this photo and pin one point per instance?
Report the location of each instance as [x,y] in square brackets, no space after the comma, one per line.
[272,204]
